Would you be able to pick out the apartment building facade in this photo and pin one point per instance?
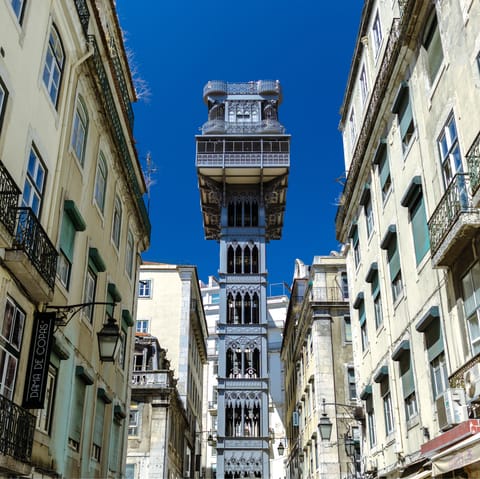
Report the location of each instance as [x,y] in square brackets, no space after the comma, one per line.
[409,214]
[319,373]
[170,308]
[73,224]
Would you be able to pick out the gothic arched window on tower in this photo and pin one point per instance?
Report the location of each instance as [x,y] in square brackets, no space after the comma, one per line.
[247,260]
[230,308]
[237,317]
[255,259]
[255,309]
[230,259]
[247,309]
[238,260]
[242,421]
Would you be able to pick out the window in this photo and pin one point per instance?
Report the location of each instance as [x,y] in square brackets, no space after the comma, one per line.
[402,355]
[347,326]
[34,182]
[403,109]
[390,244]
[363,84]
[471,303]
[134,421]
[369,216]
[372,434]
[381,159]
[79,130]
[145,288]
[3,101]
[122,349]
[376,35]
[72,222]
[18,7]
[352,128]
[356,246]
[388,412]
[130,471]
[352,387]
[129,255]
[143,326]
[53,67]
[449,149]
[76,418]
[413,200]
[433,46]
[117,222]
[344,285]
[101,182]
[363,325]
[377,301]
[89,293]
[10,345]
[98,429]
[438,371]
[45,415]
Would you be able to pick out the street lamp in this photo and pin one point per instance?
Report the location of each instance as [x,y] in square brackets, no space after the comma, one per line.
[281,449]
[325,425]
[108,340]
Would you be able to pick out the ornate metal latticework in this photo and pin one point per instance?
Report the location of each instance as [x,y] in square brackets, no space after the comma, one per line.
[456,200]
[117,130]
[9,193]
[17,427]
[83,15]
[32,239]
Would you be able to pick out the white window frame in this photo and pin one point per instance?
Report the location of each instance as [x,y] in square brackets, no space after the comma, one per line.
[3,101]
[377,35]
[471,305]
[411,408]
[129,254]
[449,150]
[363,80]
[117,222]
[142,326]
[101,177]
[145,288]
[89,293]
[388,413]
[80,130]
[18,7]
[438,369]
[53,65]
[45,415]
[34,182]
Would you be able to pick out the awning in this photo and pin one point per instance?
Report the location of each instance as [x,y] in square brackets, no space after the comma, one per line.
[420,475]
[460,455]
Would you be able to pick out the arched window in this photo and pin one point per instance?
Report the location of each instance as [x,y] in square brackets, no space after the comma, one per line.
[230,259]
[79,130]
[230,308]
[101,182]
[247,260]
[247,309]
[237,317]
[255,259]
[238,260]
[255,309]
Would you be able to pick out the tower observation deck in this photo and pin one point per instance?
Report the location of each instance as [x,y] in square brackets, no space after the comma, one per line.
[242,161]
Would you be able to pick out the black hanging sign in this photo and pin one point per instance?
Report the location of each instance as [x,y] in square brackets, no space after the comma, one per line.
[39,360]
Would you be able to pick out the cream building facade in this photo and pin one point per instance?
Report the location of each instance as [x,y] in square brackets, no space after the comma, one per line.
[170,308]
[73,223]
[409,212]
[319,373]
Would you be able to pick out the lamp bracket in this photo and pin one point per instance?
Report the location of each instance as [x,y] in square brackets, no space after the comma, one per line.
[65,313]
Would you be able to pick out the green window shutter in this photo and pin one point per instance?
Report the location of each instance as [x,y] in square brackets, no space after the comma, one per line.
[361,313]
[405,115]
[114,446]
[98,427]
[384,169]
[375,286]
[421,237]
[76,415]
[109,307]
[67,236]
[434,340]
[393,258]
[406,373]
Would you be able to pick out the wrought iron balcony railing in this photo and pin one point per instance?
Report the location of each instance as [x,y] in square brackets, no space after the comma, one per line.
[31,238]
[327,294]
[83,14]
[151,379]
[473,162]
[118,134]
[17,427]
[9,193]
[456,201]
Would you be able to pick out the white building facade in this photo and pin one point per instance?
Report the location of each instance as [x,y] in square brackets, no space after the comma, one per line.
[409,212]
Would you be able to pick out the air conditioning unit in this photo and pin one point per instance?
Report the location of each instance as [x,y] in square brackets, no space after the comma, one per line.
[295,418]
[472,383]
[451,408]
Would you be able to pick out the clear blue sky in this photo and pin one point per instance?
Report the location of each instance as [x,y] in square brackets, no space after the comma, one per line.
[178,46]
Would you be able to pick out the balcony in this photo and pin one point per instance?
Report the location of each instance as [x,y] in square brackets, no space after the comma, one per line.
[83,14]
[17,427]
[151,379]
[454,222]
[327,295]
[9,193]
[32,258]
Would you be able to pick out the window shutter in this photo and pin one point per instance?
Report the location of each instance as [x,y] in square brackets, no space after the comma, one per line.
[384,170]
[98,427]
[393,258]
[406,372]
[76,416]
[67,237]
[405,115]
[361,313]
[421,237]
[434,340]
